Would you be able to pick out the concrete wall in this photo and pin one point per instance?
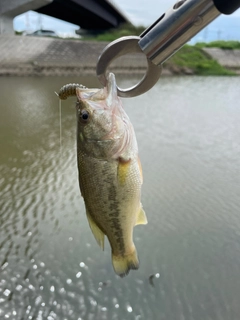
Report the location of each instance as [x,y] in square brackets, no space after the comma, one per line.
[227,58]
[12,8]
[28,55]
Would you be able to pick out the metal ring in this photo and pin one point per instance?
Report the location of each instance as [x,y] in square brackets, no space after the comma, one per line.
[119,48]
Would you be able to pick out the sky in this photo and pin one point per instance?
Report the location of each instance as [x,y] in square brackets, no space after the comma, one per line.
[139,12]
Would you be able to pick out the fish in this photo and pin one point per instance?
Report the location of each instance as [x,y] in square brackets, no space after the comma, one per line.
[110,172]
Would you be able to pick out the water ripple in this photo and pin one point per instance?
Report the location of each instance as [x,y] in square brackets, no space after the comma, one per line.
[51,267]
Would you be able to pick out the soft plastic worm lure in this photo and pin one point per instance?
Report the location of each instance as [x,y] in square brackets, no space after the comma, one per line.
[69,90]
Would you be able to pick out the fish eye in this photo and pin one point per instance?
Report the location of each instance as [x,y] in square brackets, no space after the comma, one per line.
[84,115]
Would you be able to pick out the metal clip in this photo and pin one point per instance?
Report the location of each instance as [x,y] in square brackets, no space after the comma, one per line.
[163,38]
[119,48]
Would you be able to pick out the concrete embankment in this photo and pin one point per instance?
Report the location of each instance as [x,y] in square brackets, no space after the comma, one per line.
[25,56]
[227,58]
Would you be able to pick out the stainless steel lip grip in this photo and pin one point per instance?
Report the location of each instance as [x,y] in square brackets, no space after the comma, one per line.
[176,27]
[119,48]
[163,38]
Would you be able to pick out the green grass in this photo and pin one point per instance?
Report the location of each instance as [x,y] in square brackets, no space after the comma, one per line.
[194,58]
[230,45]
[126,29]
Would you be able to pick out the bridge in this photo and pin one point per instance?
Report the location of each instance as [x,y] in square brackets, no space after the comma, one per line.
[89,15]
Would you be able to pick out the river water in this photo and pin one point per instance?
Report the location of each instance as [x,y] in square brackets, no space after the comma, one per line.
[188,130]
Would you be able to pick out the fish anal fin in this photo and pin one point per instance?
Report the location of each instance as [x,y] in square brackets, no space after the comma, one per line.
[123,264]
[123,168]
[141,217]
[97,232]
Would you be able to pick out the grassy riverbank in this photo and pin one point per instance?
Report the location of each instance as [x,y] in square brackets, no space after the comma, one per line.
[44,56]
[191,59]
[194,60]
[221,44]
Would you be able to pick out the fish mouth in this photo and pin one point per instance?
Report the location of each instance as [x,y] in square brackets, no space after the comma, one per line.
[111,89]
[111,82]
[85,94]
[107,94]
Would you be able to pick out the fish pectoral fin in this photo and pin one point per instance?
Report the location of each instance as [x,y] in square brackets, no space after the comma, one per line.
[123,264]
[97,232]
[123,169]
[141,217]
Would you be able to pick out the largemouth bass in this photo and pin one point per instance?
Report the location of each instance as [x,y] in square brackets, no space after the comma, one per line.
[110,174]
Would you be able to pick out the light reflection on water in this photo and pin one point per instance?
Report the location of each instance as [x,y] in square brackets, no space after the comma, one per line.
[51,268]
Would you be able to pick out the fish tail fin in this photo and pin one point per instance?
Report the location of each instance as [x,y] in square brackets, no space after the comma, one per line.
[123,264]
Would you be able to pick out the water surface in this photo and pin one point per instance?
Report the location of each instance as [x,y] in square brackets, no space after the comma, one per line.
[50,265]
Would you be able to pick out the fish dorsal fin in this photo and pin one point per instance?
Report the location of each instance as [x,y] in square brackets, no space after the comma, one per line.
[98,234]
[141,217]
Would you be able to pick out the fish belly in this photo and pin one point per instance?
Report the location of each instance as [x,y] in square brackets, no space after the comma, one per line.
[111,191]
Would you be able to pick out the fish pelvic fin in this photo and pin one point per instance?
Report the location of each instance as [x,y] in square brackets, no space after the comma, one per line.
[123,264]
[97,232]
[141,217]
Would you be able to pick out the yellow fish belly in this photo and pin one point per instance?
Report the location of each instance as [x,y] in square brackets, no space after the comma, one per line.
[111,191]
